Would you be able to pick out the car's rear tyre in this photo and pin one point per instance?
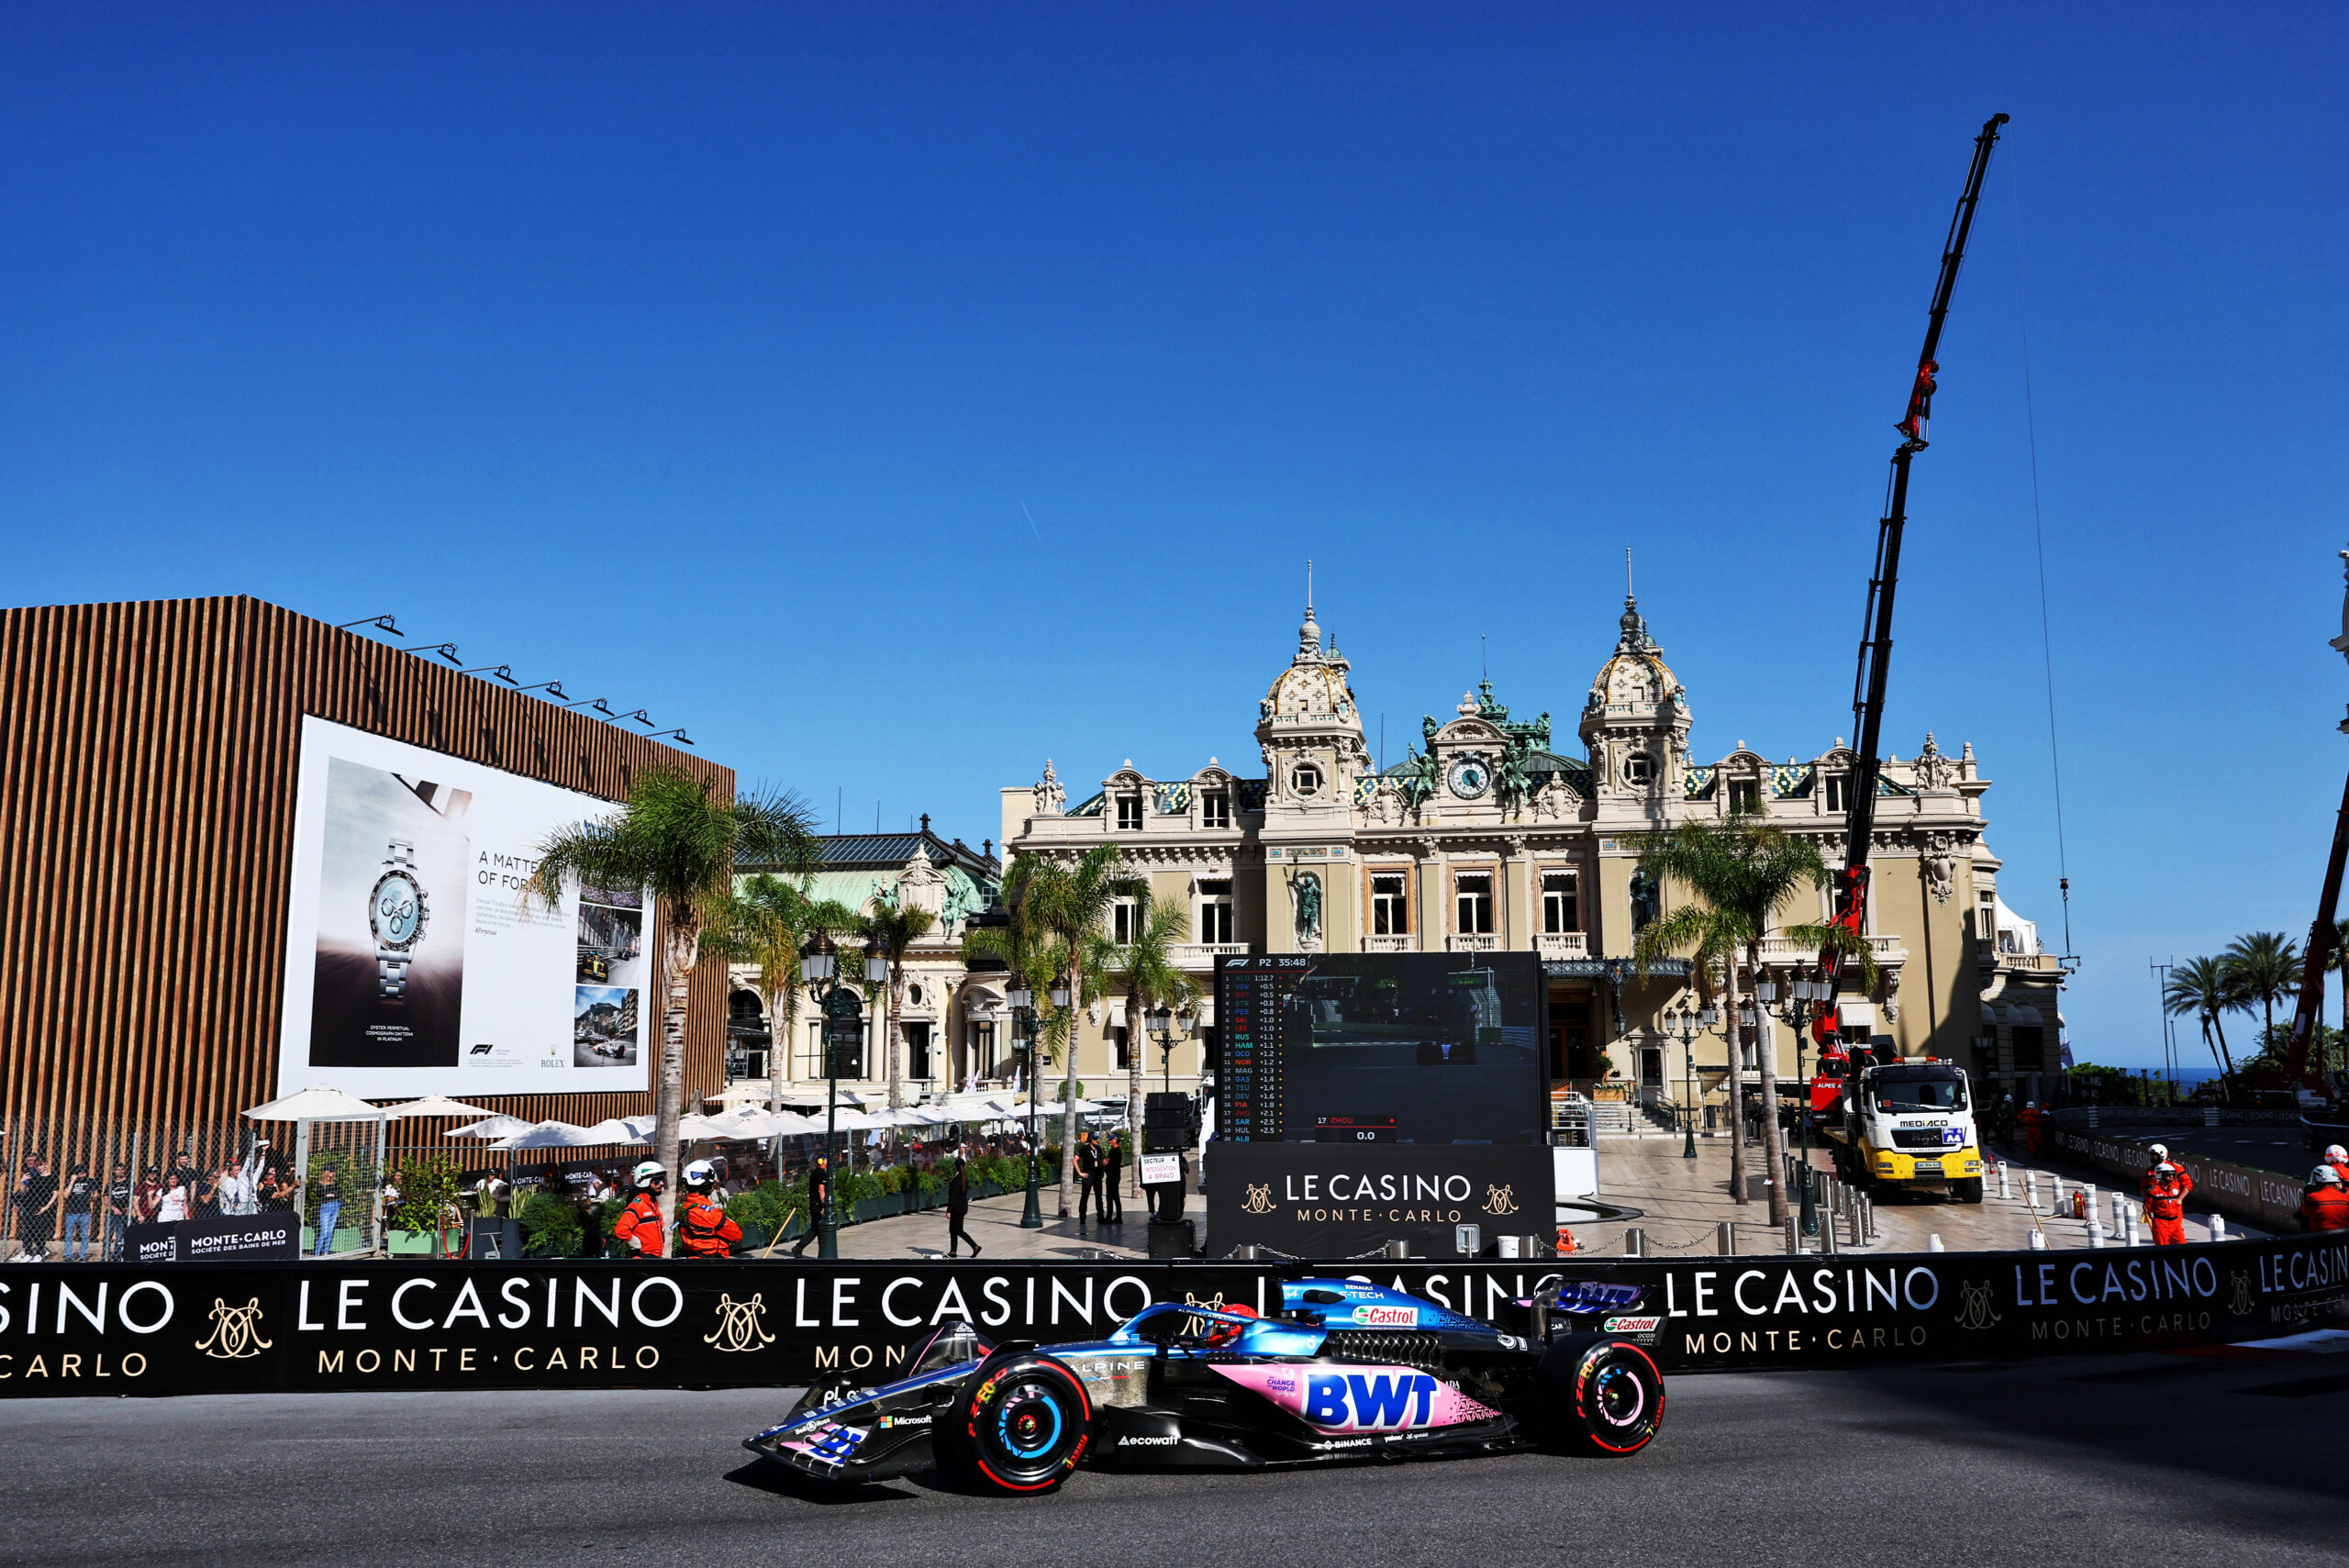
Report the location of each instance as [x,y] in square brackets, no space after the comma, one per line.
[1020,1428]
[1601,1395]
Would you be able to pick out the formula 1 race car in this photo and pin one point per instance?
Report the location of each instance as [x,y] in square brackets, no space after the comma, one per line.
[1345,1369]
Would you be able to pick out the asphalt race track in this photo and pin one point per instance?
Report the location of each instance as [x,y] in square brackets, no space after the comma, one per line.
[2141,1458]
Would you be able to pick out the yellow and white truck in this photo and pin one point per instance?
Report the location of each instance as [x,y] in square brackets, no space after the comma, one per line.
[1910,1125]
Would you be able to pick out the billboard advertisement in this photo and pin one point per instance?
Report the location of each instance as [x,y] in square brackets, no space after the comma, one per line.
[414,965]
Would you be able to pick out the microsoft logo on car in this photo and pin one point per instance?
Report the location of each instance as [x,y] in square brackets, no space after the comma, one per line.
[1371,1317]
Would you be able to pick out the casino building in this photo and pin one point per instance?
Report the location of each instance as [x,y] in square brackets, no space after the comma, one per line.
[1489,836]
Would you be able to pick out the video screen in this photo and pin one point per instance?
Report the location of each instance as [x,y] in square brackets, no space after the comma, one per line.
[1378,1048]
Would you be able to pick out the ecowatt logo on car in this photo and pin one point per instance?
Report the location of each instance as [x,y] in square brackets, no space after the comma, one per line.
[1631,1325]
[1384,1317]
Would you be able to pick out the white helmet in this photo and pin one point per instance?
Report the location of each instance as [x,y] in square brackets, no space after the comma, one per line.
[2164,1169]
[650,1174]
[2159,1151]
[2323,1174]
[2336,1155]
[698,1176]
[2030,1104]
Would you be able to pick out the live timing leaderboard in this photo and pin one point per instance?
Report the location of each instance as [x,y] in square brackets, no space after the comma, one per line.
[1381,1048]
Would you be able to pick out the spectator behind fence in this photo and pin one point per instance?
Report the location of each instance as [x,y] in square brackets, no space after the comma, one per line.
[36,1210]
[81,1196]
[119,1194]
[146,1197]
[329,1189]
[171,1206]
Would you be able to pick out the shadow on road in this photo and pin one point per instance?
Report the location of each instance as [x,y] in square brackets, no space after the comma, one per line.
[782,1481]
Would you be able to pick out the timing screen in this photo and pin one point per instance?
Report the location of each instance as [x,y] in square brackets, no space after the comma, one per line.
[1383,1048]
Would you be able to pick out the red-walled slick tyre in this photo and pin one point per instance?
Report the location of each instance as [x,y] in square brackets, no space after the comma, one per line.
[1021,1425]
[1602,1396]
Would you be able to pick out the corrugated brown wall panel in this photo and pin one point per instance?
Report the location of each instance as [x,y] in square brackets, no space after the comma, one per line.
[146,821]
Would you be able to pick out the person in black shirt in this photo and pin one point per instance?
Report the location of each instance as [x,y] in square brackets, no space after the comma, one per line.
[118,1212]
[81,1196]
[36,1210]
[1113,1176]
[1088,1177]
[958,1208]
[819,1187]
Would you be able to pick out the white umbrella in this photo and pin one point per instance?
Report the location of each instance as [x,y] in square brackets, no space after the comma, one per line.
[621,1129]
[435,1106]
[496,1126]
[550,1135]
[319,1102]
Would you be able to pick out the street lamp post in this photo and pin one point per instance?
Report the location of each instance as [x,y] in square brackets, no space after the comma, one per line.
[1160,1023]
[1682,1026]
[1799,1005]
[1023,1021]
[843,1021]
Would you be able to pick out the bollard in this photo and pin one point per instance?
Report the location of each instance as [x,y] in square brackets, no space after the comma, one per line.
[1508,1245]
[1725,1239]
[1827,1233]
[1867,1219]
[2131,1217]
[1794,1242]
[2038,1240]
[2031,1187]
[1398,1248]
[2056,1183]
[2122,1214]
[1934,1243]
[2003,1193]
[1635,1242]
[2218,1228]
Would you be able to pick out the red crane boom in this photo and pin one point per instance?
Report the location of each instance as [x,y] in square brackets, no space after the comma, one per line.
[1876,646]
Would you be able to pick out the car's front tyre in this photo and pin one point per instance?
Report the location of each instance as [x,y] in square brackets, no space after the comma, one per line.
[1599,1395]
[1021,1425]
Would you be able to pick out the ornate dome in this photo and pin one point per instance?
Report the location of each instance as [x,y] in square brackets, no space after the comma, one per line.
[1313,686]
[1636,681]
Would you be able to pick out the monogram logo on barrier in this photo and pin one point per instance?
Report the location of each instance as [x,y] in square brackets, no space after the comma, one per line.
[236,1332]
[2241,1303]
[1978,1312]
[1499,1199]
[740,1325]
[1259,1199]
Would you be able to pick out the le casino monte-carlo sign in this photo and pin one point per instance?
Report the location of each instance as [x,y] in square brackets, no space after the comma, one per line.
[230,1327]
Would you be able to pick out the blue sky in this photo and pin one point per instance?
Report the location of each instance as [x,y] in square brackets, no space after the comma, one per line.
[894,396]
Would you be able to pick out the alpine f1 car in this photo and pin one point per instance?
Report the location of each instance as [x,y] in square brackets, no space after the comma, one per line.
[1344,1370]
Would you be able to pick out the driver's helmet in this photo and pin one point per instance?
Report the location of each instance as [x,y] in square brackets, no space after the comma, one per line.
[1222,1333]
[699,1177]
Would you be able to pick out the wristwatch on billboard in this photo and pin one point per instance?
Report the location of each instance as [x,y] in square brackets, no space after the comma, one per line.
[396,914]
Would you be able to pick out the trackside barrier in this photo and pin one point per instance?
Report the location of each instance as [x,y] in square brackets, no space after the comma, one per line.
[2269,1199]
[228,1327]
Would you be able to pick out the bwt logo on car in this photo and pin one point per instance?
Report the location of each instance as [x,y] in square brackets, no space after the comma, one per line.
[1373,1402]
[1381,1316]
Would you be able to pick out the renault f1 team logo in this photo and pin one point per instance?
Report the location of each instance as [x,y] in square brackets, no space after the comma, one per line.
[1383,1317]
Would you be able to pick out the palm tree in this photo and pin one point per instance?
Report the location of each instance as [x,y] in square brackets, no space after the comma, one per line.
[679,838]
[1146,966]
[2205,988]
[765,924]
[2265,969]
[1071,900]
[1739,872]
[896,928]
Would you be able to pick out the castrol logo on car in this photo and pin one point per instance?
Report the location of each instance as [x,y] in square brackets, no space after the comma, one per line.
[1631,1325]
[1384,1317]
